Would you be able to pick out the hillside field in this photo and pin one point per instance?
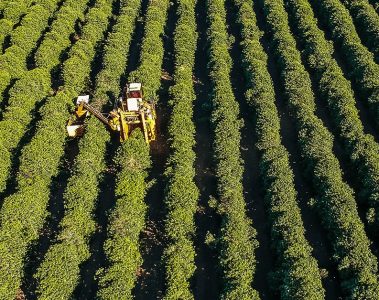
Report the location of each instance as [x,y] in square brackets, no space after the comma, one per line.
[263,182]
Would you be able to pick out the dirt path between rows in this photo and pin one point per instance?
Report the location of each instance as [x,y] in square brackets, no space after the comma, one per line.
[254,195]
[368,127]
[150,284]
[50,229]
[361,102]
[314,232]
[207,277]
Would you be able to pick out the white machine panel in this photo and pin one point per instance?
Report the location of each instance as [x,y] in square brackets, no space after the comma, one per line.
[84,99]
[133,104]
[72,130]
[135,86]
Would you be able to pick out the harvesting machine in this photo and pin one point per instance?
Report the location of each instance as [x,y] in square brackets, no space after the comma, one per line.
[130,111]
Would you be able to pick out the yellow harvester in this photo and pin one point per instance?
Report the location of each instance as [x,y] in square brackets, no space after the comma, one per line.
[130,111]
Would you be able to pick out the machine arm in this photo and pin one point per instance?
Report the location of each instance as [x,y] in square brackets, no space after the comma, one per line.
[130,112]
[75,125]
[96,113]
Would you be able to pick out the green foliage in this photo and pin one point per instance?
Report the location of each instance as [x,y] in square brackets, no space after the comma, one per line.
[5,28]
[12,65]
[367,22]
[364,70]
[335,201]
[82,191]
[116,51]
[23,40]
[152,51]
[16,117]
[12,12]
[32,25]
[3,5]
[59,272]
[298,273]
[23,213]
[57,40]
[237,236]
[361,148]
[127,220]
[35,175]
[33,86]
[181,193]
[128,217]
[17,230]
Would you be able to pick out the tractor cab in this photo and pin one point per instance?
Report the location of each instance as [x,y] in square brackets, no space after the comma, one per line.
[131,99]
[137,111]
[131,111]
[134,90]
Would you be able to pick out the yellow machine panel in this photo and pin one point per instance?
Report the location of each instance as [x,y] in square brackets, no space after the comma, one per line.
[130,111]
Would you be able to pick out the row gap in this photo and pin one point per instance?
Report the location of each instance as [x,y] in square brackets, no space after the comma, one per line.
[207,282]
[341,58]
[51,227]
[347,166]
[253,193]
[315,233]
[151,281]
[30,59]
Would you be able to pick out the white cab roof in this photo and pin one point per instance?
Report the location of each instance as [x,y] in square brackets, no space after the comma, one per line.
[134,86]
[82,99]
